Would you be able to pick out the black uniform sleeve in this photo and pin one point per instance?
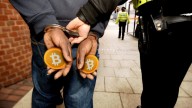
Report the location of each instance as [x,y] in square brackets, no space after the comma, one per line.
[36,13]
[94,10]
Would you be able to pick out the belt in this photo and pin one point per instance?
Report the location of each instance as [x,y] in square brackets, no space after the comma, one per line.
[177,19]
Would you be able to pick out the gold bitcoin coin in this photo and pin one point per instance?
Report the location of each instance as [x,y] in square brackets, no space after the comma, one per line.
[91,64]
[54,58]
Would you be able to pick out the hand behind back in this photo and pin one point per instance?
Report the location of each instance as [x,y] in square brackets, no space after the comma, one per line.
[55,37]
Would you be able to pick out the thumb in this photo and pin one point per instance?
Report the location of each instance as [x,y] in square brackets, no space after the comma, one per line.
[74,24]
[71,25]
[82,51]
[80,59]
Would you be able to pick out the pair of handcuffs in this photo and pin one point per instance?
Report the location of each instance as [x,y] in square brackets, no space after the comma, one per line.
[67,32]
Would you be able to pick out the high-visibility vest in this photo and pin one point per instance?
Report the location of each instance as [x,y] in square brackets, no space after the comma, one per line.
[138,3]
[123,17]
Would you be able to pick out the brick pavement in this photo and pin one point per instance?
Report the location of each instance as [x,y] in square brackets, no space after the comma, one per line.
[10,95]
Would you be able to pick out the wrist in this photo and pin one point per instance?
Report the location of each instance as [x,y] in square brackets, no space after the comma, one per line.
[93,35]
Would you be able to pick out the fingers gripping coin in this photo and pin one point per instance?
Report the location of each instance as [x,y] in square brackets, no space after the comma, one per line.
[91,64]
[90,67]
[87,62]
[54,58]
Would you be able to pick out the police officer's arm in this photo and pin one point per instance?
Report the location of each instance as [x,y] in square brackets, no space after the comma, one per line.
[94,10]
[91,13]
[38,14]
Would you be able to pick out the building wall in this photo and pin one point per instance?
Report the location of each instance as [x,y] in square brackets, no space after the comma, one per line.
[15,46]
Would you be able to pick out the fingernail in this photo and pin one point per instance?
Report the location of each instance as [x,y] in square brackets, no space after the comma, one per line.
[69,57]
[64,74]
[92,78]
[48,73]
[94,73]
[55,78]
[79,67]
[80,64]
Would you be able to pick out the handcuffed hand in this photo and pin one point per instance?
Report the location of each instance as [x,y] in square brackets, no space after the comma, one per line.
[86,47]
[55,37]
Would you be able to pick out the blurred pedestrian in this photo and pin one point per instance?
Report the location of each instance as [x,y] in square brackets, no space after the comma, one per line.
[122,19]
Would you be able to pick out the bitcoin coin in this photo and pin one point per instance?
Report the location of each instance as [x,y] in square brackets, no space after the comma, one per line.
[91,64]
[54,58]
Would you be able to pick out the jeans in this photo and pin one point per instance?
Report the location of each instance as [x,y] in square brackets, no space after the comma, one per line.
[77,91]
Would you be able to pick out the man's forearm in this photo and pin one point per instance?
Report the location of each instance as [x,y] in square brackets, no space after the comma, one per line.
[94,10]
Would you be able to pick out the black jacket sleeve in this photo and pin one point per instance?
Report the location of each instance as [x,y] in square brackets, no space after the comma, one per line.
[94,10]
[36,13]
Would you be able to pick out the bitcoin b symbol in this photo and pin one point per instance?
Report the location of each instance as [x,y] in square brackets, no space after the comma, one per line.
[55,59]
[90,64]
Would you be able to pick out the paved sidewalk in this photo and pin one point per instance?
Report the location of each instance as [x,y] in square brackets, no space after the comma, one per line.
[119,82]
[9,96]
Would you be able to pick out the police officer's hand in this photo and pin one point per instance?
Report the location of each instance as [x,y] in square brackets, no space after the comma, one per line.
[79,26]
[55,37]
[86,47]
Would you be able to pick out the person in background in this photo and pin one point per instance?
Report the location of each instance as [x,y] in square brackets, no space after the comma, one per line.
[78,86]
[122,19]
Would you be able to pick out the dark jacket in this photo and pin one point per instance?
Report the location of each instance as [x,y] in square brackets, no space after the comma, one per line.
[40,13]
[96,10]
